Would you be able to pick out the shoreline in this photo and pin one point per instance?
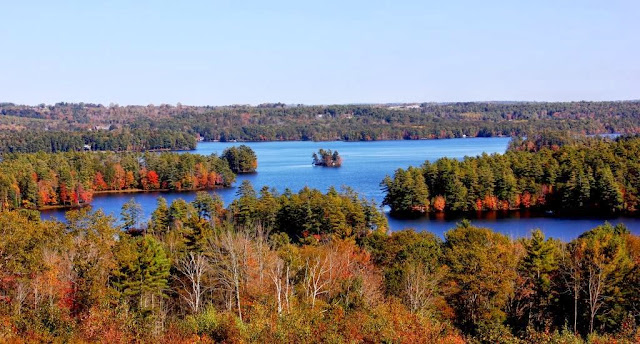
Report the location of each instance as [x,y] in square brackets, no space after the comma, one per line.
[510,213]
[354,141]
[126,191]
[111,192]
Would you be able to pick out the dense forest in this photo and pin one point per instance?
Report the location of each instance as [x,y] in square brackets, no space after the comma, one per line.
[28,141]
[271,122]
[548,172]
[38,180]
[327,158]
[306,267]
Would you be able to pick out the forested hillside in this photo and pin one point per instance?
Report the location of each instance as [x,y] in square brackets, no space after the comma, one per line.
[28,141]
[332,122]
[579,176]
[306,267]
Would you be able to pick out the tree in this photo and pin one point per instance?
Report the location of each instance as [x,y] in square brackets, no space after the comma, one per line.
[606,265]
[91,257]
[241,159]
[422,286]
[244,207]
[576,192]
[142,272]
[407,192]
[482,272]
[153,180]
[99,184]
[130,213]
[319,273]
[193,267]
[607,190]
[228,257]
[572,273]
[538,269]
[160,217]
[207,205]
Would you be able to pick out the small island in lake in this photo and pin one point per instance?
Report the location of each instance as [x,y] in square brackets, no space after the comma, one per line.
[327,158]
[241,159]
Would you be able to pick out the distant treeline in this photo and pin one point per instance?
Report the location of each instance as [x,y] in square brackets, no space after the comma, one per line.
[28,141]
[70,179]
[594,175]
[270,122]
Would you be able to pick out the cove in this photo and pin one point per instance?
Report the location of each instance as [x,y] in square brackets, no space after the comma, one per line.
[283,165]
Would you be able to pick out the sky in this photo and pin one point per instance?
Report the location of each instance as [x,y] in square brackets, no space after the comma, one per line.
[317,52]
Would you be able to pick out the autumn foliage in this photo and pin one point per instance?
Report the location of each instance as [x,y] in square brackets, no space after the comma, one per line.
[264,270]
[71,179]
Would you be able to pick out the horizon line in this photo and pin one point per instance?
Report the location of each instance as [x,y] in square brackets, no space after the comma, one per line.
[114,104]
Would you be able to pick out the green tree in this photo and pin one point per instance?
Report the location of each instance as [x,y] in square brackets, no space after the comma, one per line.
[241,159]
[244,207]
[538,270]
[160,217]
[608,193]
[142,271]
[407,192]
[206,205]
[130,213]
[482,271]
[606,264]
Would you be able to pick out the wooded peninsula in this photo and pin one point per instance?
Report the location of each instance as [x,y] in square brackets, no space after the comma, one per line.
[546,173]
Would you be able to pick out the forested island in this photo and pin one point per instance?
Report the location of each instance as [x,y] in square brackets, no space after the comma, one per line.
[181,125]
[548,173]
[306,267]
[327,158]
[241,159]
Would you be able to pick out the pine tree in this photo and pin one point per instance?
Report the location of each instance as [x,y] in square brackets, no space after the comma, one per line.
[160,217]
[131,213]
[607,189]
[143,270]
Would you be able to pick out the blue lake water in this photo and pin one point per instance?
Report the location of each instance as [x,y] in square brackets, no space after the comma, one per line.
[288,165]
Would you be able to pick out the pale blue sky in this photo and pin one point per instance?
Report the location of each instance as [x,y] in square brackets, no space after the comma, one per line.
[318,52]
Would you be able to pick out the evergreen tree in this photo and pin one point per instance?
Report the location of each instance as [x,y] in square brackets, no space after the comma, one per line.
[143,270]
[130,213]
[538,269]
[160,216]
[609,195]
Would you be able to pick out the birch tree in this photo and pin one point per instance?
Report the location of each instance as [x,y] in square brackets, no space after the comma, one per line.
[193,267]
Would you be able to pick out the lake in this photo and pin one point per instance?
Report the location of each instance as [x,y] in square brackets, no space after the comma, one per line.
[288,165]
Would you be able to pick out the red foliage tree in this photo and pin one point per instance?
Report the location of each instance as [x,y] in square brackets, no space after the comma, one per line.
[526,199]
[490,202]
[119,178]
[98,182]
[153,180]
[439,203]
